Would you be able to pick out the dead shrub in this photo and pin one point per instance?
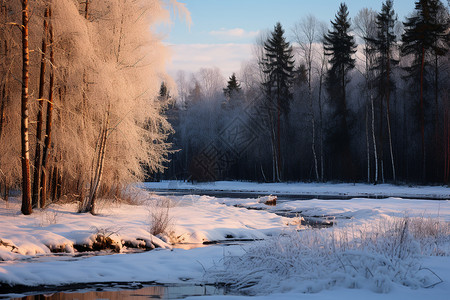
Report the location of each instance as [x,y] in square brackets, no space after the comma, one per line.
[159,216]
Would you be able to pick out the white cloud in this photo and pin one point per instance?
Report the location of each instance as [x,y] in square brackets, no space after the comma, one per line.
[191,57]
[234,33]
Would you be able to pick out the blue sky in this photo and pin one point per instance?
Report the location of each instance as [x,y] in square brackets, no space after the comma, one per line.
[219,23]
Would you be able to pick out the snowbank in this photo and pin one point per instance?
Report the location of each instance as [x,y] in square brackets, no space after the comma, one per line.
[194,219]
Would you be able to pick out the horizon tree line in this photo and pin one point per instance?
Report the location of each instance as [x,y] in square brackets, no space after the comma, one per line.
[331,110]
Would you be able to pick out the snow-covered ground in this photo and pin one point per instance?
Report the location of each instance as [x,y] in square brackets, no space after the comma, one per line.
[28,242]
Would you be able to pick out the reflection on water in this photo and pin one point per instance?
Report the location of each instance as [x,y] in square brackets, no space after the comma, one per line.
[150,292]
[189,246]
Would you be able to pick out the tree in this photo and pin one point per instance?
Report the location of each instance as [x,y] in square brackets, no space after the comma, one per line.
[382,45]
[26,177]
[278,65]
[422,35]
[49,118]
[164,94]
[365,28]
[233,87]
[39,128]
[306,34]
[340,46]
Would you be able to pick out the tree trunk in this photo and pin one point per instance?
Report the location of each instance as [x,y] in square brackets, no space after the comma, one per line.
[54,183]
[88,202]
[388,116]
[48,125]
[2,109]
[446,143]
[26,178]
[436,116]
[6,195]
[37,156]
[381,137]
[4,90]
[278,134]
[367,143]
[313,121]
[274,147]
[422,121]
[99,171]
[321,119]
[368,97]
[374,141]
[86,10]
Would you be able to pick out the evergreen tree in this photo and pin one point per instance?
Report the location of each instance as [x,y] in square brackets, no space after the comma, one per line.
[164,94]
[340,46]
[278,65]
[423,34]
[233,88]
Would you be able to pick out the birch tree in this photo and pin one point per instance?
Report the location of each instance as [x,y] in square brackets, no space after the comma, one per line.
[307,34]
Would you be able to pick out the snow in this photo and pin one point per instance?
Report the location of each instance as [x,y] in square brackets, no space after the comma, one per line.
[27,243]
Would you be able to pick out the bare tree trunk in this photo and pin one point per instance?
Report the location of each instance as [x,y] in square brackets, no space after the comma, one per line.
[4,95]
[436,115]
[422,121]
[321,120]
[381,141]
[313,127]
[59,179]
[274,147]
[54,183]
[6,195]
[447,145]
[86,9]
[88,204]
[313,146]
[368,78]
[367,143]
[99,169]
[48,126]
[37,156]
[278,135]
[26,178]
[374,139]
[388,116]
[2,109]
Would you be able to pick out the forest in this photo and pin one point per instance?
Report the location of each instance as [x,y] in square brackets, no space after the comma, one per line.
[87,108]
[356,100]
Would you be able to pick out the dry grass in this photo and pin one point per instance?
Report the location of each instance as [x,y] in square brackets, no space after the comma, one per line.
[376,256]
[159,216]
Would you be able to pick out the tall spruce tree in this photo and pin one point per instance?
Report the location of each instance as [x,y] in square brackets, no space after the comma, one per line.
[278,65]
[340,46]
[423,34]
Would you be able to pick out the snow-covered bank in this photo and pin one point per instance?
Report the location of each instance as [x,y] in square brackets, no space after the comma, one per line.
[330,189]
[195,219]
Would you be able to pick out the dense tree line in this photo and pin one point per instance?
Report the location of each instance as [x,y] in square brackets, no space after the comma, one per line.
[79,114]
[362,101]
